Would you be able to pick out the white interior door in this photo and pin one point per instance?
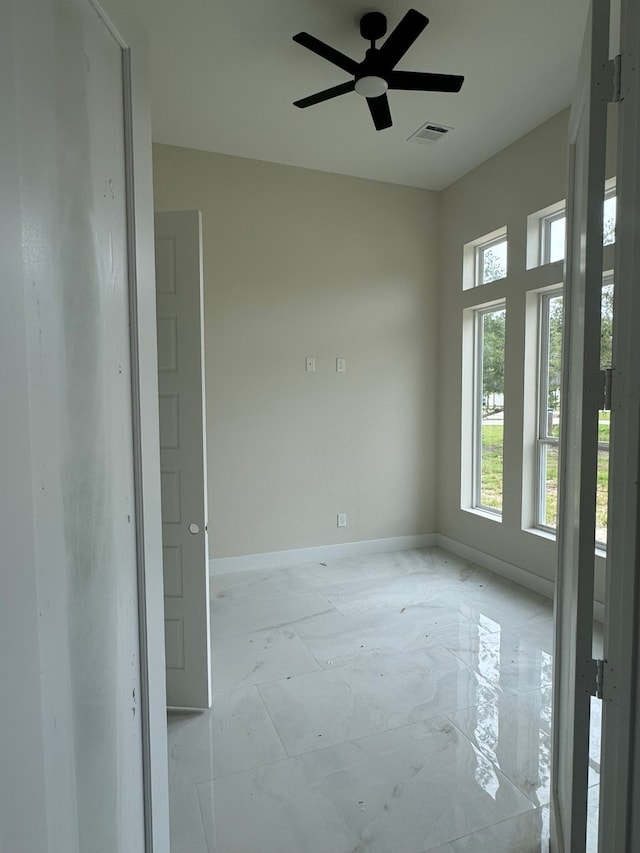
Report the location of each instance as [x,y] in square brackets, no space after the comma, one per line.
[83,750]
[582,388]
[183,458]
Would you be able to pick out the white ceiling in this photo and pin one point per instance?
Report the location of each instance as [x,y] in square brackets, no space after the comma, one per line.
[224,74]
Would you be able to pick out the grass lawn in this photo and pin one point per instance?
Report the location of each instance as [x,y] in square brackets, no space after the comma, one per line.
[492,475]
[492,466]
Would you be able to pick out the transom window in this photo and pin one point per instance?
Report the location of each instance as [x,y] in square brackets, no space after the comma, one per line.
[553,229]
[552,235]
[491,261]
[485,259]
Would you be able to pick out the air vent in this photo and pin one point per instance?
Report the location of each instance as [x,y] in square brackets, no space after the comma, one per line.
[430,132]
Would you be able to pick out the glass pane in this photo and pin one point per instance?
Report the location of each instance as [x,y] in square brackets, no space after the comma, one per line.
[604,418]
[556,230]
[553,368]
[606,328]
[491,468]
[493,262]
[602,492]
[549,479]
[609,221]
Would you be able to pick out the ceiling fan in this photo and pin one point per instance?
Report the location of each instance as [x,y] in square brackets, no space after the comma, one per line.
[375,75]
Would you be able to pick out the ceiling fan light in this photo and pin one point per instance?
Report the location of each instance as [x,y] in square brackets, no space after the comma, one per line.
[371,86]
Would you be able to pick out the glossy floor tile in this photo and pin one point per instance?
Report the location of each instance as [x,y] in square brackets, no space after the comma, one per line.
[384,691]
[246,659]
[335,638]
[376,794]
[514,733]
[237,734]
[393,703]
[525,833]
[514,660]
[185,821]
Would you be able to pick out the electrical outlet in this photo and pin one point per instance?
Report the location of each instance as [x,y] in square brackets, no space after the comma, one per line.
[341,365]
[310,364]
[342,519]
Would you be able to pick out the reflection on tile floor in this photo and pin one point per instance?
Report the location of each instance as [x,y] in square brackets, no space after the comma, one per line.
[397,703]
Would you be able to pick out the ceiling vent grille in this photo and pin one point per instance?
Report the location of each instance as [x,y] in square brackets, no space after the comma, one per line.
[429,132]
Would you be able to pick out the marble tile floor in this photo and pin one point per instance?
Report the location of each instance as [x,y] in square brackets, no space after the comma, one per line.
[395,703]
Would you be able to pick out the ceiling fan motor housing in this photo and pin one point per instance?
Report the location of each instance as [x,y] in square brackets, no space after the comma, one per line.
[373,26]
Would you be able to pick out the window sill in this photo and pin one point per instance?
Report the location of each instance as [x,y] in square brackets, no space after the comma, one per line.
[483,513]
[542,534]
[551,537]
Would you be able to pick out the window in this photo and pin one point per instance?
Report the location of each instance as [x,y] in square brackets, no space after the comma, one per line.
[552,235]
[549,405]
[489,407]
[604,418]
[491,261]
[549,409]
[485,259]
[550,226]
[609,218]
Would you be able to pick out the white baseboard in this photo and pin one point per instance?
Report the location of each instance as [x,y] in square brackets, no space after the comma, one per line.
[527,579]
[319,553]
[507,570]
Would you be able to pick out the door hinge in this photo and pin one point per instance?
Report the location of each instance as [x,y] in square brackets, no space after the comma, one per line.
[593,678]
[616,65]
[599,685]
[606,377]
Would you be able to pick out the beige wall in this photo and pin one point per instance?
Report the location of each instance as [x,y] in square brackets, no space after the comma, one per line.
[522,179]
[300,263]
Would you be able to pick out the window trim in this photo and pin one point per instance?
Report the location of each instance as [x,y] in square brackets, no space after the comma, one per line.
[546,223]
[543,440]
[470,278]
[478,363]
[480,249]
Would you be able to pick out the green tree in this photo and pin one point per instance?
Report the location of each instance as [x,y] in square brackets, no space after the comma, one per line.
[493,341]
[606,326]
[609,231]
[555,352]
[494,263]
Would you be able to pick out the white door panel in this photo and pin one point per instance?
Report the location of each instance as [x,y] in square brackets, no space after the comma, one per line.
[75,348]
[582,391]
[183,457]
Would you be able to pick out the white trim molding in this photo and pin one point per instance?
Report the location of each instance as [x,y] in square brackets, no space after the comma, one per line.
[527,579]
[296,556]
[320,553]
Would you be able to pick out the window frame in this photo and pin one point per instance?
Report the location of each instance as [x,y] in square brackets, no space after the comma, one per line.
[546,223]
[480,249]
[543,440]
[479,313]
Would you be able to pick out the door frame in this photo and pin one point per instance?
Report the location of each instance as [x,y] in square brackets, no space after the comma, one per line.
[619,825]
[579,439]
[146,426]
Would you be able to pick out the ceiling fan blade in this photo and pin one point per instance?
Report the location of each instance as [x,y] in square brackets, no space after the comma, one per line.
[326,94]
[327,52]
[380,112]
[425,82]
[401,39]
